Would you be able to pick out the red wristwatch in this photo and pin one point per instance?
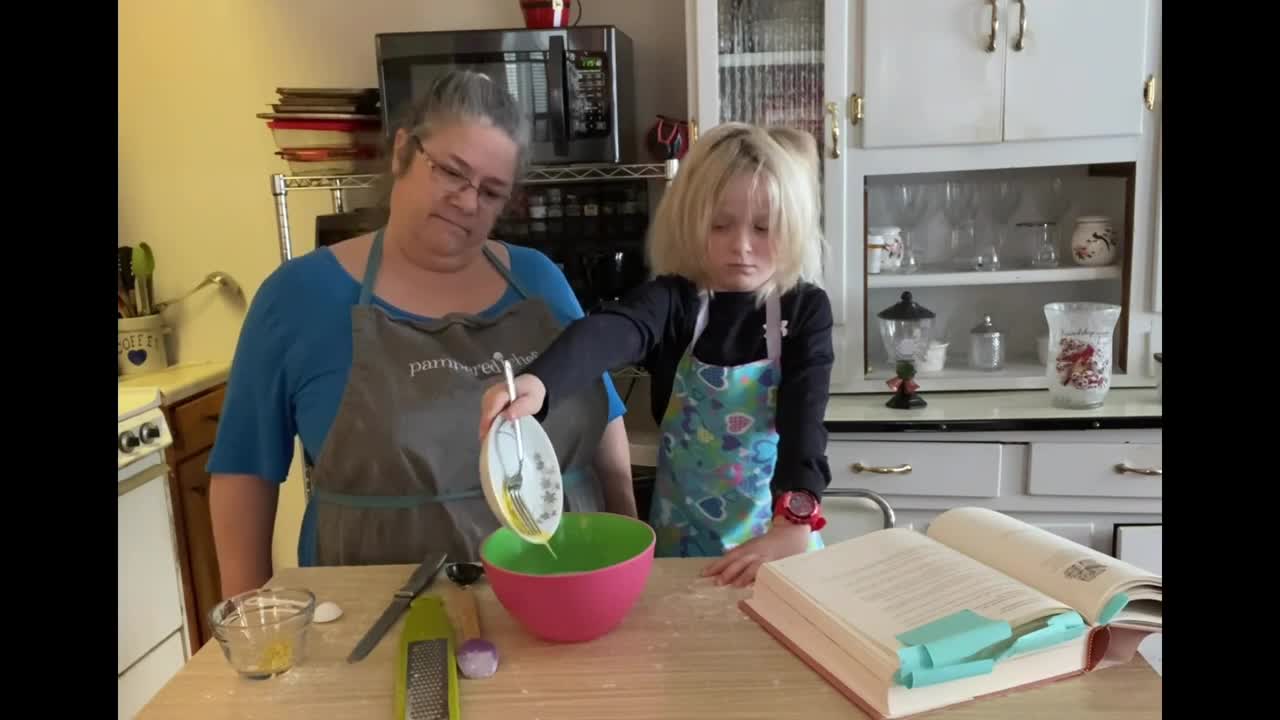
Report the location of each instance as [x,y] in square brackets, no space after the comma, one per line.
[800,507]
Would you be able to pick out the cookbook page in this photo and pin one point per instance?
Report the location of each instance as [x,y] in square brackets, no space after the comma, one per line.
[1067,571]
[886,583]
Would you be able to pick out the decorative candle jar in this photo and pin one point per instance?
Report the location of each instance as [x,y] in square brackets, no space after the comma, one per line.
[905,328]
[1080,339]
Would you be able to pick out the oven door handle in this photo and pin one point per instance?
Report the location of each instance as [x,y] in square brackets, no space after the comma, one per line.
[557,100]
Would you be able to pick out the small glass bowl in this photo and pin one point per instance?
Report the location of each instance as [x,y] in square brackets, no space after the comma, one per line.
[264,632]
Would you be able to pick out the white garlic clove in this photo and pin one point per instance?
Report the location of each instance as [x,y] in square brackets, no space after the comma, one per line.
[327,611]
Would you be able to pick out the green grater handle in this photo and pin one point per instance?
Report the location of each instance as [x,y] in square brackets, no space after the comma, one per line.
[426,620]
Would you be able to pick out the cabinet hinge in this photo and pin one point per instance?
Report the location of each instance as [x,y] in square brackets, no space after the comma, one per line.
[1149,93]
[855,109]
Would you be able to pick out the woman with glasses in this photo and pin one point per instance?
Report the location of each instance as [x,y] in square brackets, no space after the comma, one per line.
[375,353]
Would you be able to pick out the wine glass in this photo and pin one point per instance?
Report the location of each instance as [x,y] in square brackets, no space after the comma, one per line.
[907,206]
[1001,198]
[960,205]
[1052,199]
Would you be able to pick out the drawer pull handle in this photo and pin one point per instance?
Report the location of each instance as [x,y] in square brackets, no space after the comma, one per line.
[879,470]
[212,417]
[1123,468]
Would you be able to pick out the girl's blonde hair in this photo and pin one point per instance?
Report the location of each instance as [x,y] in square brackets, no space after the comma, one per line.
[783,163]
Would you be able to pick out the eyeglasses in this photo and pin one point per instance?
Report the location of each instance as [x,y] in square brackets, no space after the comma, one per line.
[455,182]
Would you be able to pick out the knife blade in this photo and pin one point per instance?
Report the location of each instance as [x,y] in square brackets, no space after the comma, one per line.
[420,580]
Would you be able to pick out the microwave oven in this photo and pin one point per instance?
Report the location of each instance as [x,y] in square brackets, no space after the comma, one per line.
[575,83]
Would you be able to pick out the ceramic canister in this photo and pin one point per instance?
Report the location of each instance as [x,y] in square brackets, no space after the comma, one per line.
[1093,243]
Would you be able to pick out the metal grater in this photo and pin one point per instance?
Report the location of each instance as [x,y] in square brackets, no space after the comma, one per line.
[427,673]
[427,680]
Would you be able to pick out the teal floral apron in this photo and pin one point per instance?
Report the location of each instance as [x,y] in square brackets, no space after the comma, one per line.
[718,450]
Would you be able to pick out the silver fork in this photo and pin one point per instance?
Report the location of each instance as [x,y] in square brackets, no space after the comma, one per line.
[514,482]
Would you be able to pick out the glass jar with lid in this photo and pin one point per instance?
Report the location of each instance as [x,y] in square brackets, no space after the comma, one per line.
[986,346]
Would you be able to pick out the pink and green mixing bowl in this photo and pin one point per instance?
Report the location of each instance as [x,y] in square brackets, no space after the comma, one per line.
[601,566]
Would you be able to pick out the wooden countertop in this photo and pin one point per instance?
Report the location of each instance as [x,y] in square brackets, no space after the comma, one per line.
[685,651]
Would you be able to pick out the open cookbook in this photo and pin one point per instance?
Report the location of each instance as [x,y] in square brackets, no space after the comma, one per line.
[902,622]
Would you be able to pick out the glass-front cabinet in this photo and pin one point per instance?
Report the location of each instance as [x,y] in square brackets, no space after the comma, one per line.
[990,157]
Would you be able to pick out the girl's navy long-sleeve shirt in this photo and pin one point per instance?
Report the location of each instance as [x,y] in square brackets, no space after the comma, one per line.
[652,327]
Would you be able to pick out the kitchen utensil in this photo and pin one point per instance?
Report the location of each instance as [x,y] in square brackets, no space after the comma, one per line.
[477,657]
[426,676]
[215,278]
[144,264]
[532,509]
[986,346]
[515,481]
[604,563]
[124,267]
[264,632]
[419,581]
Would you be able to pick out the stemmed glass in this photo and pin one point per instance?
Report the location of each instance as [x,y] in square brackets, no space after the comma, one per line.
[907,206]
[1053,201]
[1001,198]
[960,205]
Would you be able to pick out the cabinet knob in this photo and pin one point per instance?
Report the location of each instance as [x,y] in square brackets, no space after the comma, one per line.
[1122,468]
[882,470]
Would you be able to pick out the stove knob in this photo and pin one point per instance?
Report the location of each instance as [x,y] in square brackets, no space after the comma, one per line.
[128,442]
[148,432]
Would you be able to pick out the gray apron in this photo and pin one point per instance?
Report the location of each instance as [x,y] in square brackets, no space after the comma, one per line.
[399,473]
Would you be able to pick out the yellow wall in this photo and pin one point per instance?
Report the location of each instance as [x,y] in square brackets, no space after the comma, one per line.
[194,161]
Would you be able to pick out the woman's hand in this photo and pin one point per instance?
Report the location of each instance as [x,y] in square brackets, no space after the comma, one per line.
[530,394]
[739,566]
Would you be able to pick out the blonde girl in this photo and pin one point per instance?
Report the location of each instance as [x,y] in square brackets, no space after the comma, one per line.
[735,333]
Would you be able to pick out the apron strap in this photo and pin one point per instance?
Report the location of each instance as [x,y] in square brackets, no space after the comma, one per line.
[772,323]
[504,272]
[371,267]
[374,263]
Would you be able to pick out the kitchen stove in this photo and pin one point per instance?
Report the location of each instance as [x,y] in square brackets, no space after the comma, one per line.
[151,623]
[142,433]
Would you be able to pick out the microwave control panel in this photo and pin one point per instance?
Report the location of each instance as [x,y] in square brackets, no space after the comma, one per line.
[589,93]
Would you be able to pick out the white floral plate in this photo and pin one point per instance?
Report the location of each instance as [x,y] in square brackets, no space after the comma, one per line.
[542,487]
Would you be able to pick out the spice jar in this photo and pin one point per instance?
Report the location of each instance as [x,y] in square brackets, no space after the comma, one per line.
[986,346]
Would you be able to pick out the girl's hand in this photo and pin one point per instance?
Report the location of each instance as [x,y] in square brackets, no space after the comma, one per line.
[530,394]
[739,566]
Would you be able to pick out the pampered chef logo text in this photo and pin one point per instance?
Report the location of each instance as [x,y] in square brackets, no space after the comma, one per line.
[484,369]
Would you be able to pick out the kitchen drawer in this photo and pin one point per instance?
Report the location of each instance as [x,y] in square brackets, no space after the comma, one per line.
[940,469]
[195,422]
[1088,469]
[140,683]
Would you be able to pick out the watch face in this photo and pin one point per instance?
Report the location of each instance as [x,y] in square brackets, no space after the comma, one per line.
[801,504]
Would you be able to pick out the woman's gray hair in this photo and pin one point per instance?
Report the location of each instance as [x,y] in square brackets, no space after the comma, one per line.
[464,96]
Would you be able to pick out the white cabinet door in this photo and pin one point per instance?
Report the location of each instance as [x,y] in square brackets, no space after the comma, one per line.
[930,75]
[1080,70]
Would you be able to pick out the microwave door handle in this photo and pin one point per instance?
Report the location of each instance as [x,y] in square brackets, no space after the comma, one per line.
[557,96]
